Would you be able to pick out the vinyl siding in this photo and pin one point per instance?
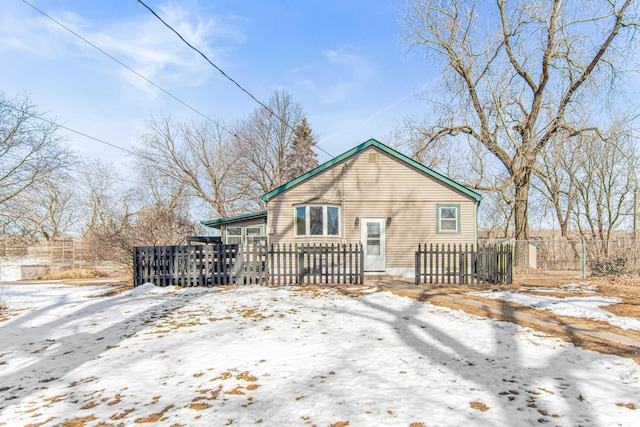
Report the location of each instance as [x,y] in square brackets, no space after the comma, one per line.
[385,188]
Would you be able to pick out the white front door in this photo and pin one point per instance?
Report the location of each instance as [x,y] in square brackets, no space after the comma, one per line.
[373,243]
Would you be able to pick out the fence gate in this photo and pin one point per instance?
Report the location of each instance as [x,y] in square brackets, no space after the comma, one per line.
[316,264]
[463,264]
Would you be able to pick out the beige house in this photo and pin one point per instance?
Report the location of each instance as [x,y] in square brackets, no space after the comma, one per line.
[371,194]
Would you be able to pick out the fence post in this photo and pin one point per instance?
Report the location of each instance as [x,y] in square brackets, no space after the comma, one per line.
[510,253]
[583,259]
[333,264]
[299,264]
[361,264]
[461,267]
[417,267]
[136,268]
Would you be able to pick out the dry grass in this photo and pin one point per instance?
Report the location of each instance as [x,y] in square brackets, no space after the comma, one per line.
[78,421]
[199,406]
[34,424]
[74,273]
[153,417]
[626,288]
[479,406]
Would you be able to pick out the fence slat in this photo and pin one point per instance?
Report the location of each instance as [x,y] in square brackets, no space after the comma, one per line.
[222,264]
[463,264]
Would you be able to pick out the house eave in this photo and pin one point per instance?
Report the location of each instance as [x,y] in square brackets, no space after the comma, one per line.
[392,152]
[219,222]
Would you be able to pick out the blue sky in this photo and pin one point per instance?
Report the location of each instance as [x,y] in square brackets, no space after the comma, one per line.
[343,61]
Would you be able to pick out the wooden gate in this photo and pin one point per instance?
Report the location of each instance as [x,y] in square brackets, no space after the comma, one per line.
[463,264]
[316,264]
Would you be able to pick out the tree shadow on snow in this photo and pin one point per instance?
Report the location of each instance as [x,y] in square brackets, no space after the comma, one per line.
[501,372]
[57,349]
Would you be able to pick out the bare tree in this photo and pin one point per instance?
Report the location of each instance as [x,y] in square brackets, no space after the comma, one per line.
[590,181]
[266,144]
[557,173]
[107,208]
[605,187]
[229,171]
[515,80]
[411,136]
[30,148]
[199,157]
[163,216]
[48,209]
[152,212]
[105,199]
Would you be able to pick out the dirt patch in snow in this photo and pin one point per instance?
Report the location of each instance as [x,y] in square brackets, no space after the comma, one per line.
[626,288]
[625,309]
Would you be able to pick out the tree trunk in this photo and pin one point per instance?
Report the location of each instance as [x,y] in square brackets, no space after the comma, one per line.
[522,182]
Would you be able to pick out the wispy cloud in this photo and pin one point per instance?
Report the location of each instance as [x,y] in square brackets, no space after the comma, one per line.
[20,33]
[355,122]
[143,42]
[348,63]
[159,55]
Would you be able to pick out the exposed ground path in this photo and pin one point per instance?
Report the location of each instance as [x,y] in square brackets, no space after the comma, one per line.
[589,334]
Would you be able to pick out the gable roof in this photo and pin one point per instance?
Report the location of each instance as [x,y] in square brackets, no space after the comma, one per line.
[372,143]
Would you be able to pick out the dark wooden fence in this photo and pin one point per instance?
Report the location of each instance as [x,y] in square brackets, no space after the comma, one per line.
[197,265]
[316,264]
[220,264]
[463,264]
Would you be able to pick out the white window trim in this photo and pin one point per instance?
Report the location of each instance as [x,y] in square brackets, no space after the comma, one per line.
[226,234]
[439,208]
[243,232]
[307,218]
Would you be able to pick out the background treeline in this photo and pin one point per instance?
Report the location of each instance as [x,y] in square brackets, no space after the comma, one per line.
[533,108]
[181,173]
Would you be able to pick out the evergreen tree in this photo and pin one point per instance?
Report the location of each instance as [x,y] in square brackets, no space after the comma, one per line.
[301,157]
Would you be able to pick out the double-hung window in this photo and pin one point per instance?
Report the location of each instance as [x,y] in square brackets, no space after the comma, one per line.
[317,220]
[244,235]
[254,235]
[233,235]
[448,218]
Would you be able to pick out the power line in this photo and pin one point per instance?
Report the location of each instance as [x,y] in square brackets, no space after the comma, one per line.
[129,68]
[222,72]
[44,119]
[85,172]
[156,85]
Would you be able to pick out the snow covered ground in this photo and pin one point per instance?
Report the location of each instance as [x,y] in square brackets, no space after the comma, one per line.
[253,355]
[585,306]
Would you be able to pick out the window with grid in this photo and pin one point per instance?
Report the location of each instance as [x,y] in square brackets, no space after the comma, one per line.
[448,218]
[317,220]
